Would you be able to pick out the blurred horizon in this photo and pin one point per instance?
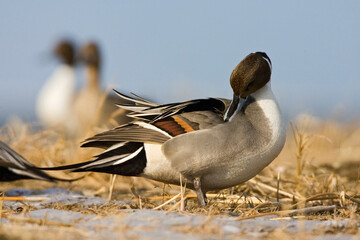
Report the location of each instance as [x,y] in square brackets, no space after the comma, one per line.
[168,52]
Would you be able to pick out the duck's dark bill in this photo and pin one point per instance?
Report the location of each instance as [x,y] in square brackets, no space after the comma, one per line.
[236,103]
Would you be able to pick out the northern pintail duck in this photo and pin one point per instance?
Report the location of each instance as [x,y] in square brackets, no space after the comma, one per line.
[55,98]
[213,143]
[93,106]
[15,167]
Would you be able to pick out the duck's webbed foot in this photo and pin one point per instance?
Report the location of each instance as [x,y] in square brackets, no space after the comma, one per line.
[202,200]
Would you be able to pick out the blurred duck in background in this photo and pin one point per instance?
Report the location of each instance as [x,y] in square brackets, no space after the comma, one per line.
[93,106]
[78,113]
[55,98]
[15,167]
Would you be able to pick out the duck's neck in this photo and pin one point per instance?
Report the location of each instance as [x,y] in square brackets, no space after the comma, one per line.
[265,99]
[92,76]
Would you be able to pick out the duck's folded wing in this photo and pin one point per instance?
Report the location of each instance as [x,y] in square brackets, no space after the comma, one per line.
[132,132]
[153,123]
[151,112]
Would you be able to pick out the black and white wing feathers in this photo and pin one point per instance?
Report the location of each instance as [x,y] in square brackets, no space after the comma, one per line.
[152,124]
[15,167]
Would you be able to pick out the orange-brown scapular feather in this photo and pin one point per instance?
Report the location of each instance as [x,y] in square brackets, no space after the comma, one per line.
[174,126]
[183,124]
[170,126]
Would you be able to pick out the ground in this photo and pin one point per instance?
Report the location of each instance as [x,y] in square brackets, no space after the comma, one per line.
[310,190]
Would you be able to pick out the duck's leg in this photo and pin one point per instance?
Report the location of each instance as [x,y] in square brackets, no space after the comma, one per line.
[200,195]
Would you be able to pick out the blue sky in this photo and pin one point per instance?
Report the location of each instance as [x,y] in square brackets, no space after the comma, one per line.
[174,51]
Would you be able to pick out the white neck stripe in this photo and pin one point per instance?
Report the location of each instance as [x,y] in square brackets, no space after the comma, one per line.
[268,63]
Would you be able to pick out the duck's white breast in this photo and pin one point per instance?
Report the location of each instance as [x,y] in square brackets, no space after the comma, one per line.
[55,98]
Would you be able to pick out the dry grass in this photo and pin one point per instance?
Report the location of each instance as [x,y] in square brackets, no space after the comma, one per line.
[319,166]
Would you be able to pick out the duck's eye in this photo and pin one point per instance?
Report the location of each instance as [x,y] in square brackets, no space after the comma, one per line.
[249,86]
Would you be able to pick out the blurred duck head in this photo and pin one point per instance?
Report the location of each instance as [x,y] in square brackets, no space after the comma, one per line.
[65,51]
[90,55]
